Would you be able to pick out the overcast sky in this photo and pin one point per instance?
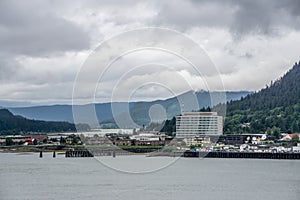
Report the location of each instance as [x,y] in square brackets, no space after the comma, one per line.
[43,44]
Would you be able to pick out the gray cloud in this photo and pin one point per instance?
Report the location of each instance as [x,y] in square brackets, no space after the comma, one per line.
[8,67]
[241,17]
[29,28]
[44,43]
[265,16]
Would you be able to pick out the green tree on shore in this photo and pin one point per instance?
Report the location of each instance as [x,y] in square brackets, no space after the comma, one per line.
[295,140]
[8,141]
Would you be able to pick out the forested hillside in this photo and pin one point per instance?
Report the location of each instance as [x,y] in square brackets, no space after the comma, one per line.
[272,110]
[276,108]
[11,124]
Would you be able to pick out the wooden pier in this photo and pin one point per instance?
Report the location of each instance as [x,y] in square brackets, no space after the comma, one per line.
[215,154]
[78,153]
[254,155]
[114,152]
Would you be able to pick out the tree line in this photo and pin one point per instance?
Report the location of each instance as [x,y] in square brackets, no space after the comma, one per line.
[11,124]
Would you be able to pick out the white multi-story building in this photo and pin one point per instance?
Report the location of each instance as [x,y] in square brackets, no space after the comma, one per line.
[191,124]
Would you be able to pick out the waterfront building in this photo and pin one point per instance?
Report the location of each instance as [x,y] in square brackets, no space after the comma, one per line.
[191,124]
[197,140]
[146,137]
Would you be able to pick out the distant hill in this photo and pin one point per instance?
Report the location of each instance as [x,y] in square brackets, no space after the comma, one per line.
[11,124]
[64,112]
[276,108]
[138,110]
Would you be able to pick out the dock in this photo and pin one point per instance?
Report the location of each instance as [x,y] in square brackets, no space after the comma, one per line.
[78,153]
[249,155]
[188,154]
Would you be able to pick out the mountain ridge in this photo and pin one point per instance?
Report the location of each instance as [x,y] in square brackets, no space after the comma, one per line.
[138,110]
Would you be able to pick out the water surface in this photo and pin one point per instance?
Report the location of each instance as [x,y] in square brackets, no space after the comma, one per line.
[26,176]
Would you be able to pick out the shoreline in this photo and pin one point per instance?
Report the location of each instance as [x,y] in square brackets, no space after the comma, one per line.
[72,152]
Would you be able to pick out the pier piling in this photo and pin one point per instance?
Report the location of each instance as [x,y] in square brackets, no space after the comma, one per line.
[78,153]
